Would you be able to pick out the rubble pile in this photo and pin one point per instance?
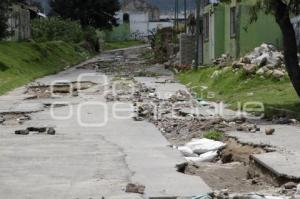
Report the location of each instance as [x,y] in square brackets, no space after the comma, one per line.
[223,61]
[264,60]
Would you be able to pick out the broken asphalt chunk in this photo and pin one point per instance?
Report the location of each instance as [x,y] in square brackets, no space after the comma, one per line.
[51,131]
[135,188]
[22,132]
[37,129]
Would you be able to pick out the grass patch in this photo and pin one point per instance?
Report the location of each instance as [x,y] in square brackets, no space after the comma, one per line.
[112,45]
[277,96]
[22,62]
[214,135]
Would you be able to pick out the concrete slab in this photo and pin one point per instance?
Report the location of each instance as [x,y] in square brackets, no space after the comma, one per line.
[286,160]
[84,160]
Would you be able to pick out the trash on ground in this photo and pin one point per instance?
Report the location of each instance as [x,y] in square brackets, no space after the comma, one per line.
[200,146]
[205,157]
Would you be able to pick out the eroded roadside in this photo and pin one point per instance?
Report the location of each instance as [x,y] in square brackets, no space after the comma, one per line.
[181,117]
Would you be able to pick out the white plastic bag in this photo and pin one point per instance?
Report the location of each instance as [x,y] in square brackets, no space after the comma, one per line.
[186,151]
[206,157]
[200,146]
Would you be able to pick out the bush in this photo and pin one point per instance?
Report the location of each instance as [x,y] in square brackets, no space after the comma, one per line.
[58,29]
[214,135]
[90,36]
[160,41]
[54,29]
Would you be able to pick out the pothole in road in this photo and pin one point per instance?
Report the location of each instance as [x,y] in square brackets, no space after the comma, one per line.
[235,171]
[13,118]
[58,89]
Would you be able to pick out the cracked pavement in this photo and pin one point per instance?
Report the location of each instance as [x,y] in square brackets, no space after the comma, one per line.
[83,160]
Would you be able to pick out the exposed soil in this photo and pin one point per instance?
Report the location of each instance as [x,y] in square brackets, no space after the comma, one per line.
[47,91]
[232,176]
[236,152]
[13,118]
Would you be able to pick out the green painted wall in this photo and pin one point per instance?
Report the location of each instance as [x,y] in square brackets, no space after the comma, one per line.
[219,30]
[248,36]
[230,44]
[265,29]
[206,44]
[219,27]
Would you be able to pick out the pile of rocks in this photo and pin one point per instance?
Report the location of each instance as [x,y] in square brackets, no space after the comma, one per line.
[144,111]
[264,60]
[181,95]
[223,61]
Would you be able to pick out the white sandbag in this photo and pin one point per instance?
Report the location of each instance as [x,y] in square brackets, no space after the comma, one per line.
[186,151]
[200,146]
[205,157]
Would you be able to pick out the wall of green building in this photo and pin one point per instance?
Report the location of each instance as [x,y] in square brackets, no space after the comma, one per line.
[219,28]
[230,43]
[206,44]
[248,36]
[265,29]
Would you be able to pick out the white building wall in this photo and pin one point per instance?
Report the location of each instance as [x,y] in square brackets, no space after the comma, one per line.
[140,26]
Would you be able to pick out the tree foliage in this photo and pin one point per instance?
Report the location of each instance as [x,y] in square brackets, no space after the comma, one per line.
[95,13]
[55,29]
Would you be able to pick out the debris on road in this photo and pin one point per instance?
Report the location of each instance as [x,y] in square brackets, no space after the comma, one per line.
[290,185]
[13,118]
[270,131]
[135,188]
[22,132]
[37,129]
[51,131]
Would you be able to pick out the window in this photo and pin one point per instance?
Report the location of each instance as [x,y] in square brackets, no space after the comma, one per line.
[206,27]
[233,22]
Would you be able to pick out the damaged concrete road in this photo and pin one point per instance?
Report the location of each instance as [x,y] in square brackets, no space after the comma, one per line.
[85,159]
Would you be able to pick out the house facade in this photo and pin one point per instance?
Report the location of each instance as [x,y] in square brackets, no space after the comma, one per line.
[227,29]
[19,20]
[141,17]
[19,23]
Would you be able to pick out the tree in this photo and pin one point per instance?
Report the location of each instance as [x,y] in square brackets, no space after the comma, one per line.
[95,13]
[282,10]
